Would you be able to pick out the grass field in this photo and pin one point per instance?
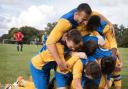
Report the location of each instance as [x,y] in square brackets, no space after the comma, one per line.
[13,64]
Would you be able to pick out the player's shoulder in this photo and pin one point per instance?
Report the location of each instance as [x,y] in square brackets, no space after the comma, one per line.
[95,13]
[70,14]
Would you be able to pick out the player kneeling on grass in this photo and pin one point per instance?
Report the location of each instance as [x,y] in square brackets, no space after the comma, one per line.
[42,63]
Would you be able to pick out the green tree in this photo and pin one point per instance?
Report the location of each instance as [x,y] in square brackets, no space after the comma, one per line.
[49,27]
[29,33]
[11,32]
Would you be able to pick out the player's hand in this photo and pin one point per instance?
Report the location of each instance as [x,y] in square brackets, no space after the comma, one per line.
[106,87]
[79,54]
[82,55]
[63,66]
[68,66]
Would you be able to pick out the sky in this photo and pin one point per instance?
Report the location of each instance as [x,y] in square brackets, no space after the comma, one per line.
[37,13]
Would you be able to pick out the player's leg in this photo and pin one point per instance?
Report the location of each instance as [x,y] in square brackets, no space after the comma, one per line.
[116,75]
[117,84]
[40,77]
[63,80]
[17,46]
[21,46]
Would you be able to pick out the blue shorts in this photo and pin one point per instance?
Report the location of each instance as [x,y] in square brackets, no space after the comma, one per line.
[63,80]
[41,77]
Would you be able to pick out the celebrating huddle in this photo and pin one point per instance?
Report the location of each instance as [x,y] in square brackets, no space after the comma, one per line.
[83,52]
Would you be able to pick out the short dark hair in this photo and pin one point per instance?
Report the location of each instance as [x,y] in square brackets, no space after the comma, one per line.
[74,35]
[90,47]
[108,64]
[93,23]
[93,69]
[85,7]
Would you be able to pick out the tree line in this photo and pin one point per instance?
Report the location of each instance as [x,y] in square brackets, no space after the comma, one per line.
[30,33]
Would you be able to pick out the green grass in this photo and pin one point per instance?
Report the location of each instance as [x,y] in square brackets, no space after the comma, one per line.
[124,53]
[13,64]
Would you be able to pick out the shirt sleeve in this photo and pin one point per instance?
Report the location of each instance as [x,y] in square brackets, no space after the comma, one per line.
[62,26]
[60,49]
[110,37]
[91,59]
[77,69]
[73,60]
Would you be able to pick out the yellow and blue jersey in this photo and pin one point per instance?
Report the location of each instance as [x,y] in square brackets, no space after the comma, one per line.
[78,68]
[45,56]
[100,29]
[63,79]
[99,52]
[70,17]
[105,31]
[79,73]
[89,37]
[65,23]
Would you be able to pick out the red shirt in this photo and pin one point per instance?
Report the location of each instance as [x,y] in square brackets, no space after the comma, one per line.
[19,36]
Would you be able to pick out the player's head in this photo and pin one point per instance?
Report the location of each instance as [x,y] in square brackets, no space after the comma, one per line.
[93,23]
[90,47]
[83,12]
[73,39]
[108,64]
[92,70]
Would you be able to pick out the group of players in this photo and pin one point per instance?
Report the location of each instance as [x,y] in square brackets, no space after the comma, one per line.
[83,52]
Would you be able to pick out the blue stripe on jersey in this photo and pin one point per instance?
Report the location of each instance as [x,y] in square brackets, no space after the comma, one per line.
[88,38]
[70,17]
[100,29]
[100,53]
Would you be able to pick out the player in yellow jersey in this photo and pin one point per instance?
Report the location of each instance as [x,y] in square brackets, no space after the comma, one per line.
[42,63]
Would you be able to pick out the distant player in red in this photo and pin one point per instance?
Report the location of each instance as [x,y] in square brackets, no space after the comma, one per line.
[19,38]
